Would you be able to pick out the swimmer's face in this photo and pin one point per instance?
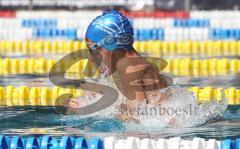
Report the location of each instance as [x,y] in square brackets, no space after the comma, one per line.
[100,56]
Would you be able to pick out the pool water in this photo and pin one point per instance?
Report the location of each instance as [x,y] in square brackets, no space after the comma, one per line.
[44,120]
[51,120]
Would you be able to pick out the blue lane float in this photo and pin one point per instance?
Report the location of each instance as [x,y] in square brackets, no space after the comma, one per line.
[49,33]
[39,23]
[4,142]
[45,142]
[191,23]
[226,144]
[237,143]
[48,142]
[148,34]
[95,143]
[223,34]
[68,142]
[230,144]
[71,34]
[80,143]
[17,143]
[32,143]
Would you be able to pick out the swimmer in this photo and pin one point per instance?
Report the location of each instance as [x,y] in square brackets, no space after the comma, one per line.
[110,40]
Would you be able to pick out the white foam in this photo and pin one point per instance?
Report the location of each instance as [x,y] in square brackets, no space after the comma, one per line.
[192,113]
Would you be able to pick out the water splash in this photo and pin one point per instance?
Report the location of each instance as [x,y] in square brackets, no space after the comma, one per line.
[181,109]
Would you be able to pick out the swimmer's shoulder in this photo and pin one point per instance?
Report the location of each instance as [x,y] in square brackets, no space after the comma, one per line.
[131,63]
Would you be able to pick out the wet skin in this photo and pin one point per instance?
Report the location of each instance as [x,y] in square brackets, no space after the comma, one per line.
[139,78]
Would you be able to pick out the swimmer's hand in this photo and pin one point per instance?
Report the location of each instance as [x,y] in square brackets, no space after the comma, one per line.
[73,103]
[128,118]
[125,118]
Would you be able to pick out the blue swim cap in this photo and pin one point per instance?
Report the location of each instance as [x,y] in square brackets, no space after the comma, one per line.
[111,31]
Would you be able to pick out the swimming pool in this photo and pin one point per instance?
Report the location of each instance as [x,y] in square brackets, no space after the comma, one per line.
[202,55]
[53,120]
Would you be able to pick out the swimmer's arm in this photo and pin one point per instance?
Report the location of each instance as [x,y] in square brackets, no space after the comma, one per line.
[145,74]
[151,76]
